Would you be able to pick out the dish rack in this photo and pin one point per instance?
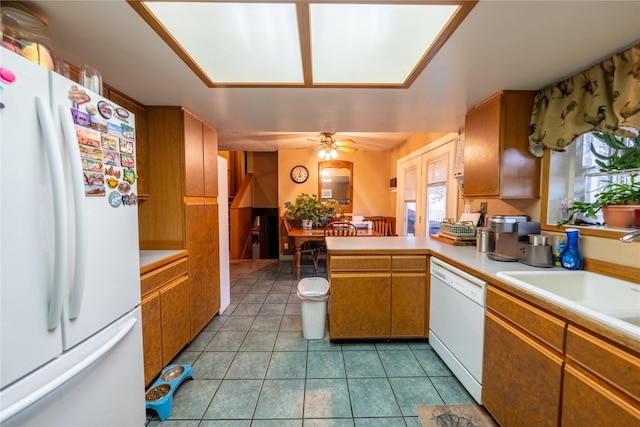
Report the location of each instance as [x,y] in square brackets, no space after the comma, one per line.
[449,227]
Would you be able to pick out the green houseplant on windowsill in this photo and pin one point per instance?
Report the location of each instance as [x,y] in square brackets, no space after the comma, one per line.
[618,199]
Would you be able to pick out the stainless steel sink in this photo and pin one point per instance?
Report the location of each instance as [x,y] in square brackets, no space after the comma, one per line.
[612,301]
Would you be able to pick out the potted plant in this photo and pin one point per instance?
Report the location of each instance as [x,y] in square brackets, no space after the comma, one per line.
[618,198]
[305,210]
[329,211]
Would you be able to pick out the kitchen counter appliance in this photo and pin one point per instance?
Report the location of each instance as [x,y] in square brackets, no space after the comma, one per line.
[70,327]
[518,239]
[456,323]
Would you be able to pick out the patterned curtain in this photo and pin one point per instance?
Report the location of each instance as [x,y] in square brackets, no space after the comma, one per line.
[604,98]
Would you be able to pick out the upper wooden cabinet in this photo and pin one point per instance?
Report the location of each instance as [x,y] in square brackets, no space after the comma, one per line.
[198,147]
[497,162]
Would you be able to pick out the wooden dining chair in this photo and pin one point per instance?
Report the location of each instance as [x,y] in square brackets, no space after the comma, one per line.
[380,224]
[340,228]
[305,250]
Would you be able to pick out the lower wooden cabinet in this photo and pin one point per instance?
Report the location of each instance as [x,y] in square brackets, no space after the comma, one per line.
[204,262]
[378,296]
[521,378]
[539,371]
[360,305]
[588,401]
[174,313]
[409,301]
[601,383]
[151,336]
[166,315]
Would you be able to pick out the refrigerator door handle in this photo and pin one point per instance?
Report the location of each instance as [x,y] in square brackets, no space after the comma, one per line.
[67,375]
[77,178]
[54,158]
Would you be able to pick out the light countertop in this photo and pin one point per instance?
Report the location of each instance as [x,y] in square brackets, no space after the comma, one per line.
[150,257]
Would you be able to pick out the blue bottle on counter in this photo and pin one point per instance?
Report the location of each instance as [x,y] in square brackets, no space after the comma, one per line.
[571,258]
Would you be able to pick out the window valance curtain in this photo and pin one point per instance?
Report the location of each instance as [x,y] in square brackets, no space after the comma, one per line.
[603,98]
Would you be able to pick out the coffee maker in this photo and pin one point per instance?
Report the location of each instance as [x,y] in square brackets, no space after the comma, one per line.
[514,242]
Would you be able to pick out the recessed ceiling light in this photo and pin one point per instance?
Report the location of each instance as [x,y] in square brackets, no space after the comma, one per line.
[305,44]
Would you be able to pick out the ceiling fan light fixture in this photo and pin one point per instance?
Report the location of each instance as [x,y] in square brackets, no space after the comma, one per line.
[334,154]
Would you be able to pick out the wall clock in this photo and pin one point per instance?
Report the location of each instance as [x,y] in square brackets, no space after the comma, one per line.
[299,174]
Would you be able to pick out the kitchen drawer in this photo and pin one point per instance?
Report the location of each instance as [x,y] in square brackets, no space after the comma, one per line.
[541,325]
[409,263]
[360,263]
[158,277]
[605,360]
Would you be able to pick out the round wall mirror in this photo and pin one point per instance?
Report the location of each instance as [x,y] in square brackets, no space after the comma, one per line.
[335,181]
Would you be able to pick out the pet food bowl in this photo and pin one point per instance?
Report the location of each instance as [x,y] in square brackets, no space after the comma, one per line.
[160,396]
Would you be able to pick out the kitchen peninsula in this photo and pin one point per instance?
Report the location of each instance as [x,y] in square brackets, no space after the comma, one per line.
[538,351]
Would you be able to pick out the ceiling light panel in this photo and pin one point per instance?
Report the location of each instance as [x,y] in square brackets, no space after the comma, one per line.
[372,43]
[254,43]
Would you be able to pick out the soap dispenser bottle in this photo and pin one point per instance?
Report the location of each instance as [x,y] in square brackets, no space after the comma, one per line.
[571,258]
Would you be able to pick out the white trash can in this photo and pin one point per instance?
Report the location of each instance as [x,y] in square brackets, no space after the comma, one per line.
[314,293]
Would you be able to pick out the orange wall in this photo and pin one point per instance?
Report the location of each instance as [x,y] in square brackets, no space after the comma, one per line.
[371,174]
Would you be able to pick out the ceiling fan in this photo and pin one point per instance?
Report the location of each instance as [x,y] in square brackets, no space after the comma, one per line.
[329,146]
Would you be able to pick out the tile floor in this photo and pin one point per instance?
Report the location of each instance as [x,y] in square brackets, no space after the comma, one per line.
[252,367]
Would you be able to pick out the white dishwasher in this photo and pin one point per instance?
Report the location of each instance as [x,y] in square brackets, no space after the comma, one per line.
[456,323]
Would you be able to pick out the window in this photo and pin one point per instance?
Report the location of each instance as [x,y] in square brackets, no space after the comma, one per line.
[410,179]
[426,188]
[575,175]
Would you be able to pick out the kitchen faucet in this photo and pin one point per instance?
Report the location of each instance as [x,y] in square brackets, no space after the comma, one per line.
[630,237]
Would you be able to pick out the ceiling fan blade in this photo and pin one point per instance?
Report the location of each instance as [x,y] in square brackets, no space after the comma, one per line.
[344,142]
[347,149]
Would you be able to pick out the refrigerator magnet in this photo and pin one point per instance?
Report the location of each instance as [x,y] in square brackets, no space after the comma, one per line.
[91,109]
[129,199]
[80,118]
[94,191]
[130,176]
[110,142]
[128,132]
[105,110]
[124,187]
[115,199]
[127,161]
[112,171]
[122,114]
[111,158]
[112,182]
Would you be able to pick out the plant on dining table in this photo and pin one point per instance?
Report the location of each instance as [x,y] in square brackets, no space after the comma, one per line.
[309,208]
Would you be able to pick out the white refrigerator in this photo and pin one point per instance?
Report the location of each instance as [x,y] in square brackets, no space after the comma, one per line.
[70,333]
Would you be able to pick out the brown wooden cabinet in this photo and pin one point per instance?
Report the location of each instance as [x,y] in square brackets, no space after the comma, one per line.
[497,162]
[151,336]
[378,296]
[182,209]
[204,268]
[601,383]
[166,319]
[409,296]
[522,373]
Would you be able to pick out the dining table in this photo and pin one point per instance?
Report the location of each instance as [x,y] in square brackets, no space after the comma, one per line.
[300,237]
